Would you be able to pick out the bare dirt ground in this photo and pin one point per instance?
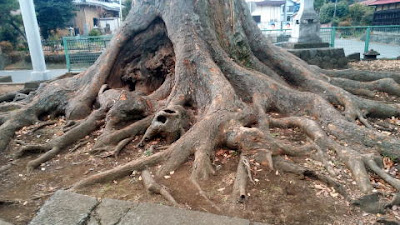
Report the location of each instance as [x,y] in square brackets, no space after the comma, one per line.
[274,197]
[5,88]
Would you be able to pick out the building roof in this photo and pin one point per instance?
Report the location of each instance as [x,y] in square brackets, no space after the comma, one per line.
[270,3]
[112,6]
[380,2]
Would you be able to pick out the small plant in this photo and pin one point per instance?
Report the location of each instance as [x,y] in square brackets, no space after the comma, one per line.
[94,32]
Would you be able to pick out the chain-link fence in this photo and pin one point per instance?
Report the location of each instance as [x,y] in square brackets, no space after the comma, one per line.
[81,52]
[384,39]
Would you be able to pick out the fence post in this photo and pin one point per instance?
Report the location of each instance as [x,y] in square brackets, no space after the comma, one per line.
[333,36]
[367,37]
[66,52]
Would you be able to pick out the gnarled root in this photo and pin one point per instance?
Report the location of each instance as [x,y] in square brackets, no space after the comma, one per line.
[151,185]
[203,90]
[171,123]
[56,145]
[121,145]
[239,187]
[123,170]
[290,167]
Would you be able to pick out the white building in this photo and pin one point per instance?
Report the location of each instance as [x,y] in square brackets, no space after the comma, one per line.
[270,14]
[103,14]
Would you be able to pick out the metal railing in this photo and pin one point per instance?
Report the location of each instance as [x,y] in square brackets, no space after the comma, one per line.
[81,52]
[384,39]
[53,45]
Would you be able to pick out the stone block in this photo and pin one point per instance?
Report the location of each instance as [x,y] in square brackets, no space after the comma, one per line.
[327,58]
[110,211]
[32,85]
[5,79]
[65,207]
[145,214]
[2,222]
[354,57]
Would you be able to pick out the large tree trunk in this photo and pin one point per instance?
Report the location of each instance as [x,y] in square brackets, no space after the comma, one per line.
[200,74]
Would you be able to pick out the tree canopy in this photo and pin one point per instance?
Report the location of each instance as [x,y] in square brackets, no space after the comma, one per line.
[53,14]
[347,13]
[10,23]
[327,12]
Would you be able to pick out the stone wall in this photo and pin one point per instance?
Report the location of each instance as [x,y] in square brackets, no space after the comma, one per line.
[386,38]
[327,58]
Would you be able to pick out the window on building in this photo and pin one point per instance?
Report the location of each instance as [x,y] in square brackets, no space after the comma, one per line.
[257,19]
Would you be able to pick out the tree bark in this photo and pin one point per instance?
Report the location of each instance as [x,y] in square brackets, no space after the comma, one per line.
[201,75]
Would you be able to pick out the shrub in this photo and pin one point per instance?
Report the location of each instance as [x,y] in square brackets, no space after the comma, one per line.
[6,47]
[15,57]
[94,32]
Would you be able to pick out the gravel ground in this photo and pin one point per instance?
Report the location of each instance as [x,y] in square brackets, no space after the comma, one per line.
[377,65]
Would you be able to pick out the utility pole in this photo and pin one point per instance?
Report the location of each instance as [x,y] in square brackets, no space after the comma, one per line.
[284,14]
[34,42]
[120,12]
[334,12]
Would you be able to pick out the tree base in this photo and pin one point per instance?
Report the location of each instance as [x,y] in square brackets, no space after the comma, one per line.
[184,75]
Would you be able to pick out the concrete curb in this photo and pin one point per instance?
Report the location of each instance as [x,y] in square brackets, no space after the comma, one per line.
[69,208]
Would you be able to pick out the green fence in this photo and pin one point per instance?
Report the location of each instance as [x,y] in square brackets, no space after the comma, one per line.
[81,52]
[384,39]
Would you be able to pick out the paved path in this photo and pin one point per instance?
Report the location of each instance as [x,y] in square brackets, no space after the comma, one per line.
[69,208]
[352,46]
[22,76]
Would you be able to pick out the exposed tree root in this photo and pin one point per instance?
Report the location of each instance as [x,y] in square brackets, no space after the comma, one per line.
[203,194]
[239,187]
[11,96]
[56,145]
[119,147]
[5,167]
[200,75]
[78,145]
[151,185]
[290,167]
[41,125]
[121,171]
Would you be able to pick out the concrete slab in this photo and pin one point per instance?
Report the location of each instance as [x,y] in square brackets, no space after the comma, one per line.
[68,208]
[65,207]
[145,214]
[22,76]
[110,211]
[5,79]
[2,222]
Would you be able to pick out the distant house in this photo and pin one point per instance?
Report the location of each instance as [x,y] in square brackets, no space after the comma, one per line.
[101,14]
[270,14]
[387,12]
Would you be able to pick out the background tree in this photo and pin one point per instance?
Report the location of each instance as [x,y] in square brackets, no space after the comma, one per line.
[10,24]
[328,10]
[200,75]
[360,14]
[318,4]
[53,14]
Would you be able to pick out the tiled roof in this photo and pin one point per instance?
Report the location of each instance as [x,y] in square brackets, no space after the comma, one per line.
[270,3]
[380,2]
[113,6]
